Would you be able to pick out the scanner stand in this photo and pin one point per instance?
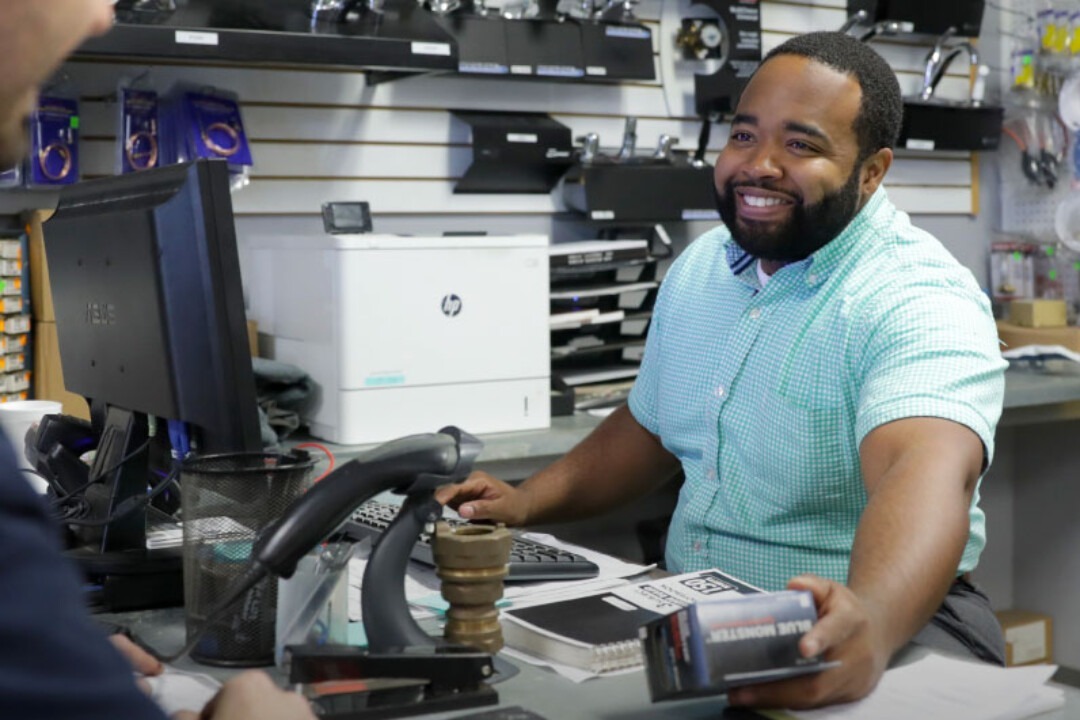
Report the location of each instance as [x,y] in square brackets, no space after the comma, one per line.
[403,671]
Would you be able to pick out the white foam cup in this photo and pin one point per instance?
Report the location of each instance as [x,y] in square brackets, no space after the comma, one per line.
[16,418]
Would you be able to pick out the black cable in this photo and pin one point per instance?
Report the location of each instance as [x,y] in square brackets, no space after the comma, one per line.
[102,475]
[703,139]
[131,504]
[74,509]
[245,582]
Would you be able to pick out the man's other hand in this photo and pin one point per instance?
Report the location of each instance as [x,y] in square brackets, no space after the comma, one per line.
[845,631]
[143,663]
[140,660]
[483,497]
[252,696]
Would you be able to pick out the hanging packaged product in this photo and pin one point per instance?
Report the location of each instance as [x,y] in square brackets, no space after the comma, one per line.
[138,142]
[208,125]
[54,139]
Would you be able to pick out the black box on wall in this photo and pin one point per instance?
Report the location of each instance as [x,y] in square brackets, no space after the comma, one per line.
[514,152]
[937,125]
[644,192]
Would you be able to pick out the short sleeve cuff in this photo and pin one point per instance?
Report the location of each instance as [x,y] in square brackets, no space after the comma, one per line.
[642,412]
[957,412]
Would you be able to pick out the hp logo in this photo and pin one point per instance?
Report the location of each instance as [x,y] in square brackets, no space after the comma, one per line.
[451,305]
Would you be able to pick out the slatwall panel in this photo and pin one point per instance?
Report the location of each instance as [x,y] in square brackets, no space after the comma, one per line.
[322,134]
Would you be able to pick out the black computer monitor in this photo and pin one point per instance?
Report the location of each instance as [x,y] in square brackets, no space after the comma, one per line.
[150,317]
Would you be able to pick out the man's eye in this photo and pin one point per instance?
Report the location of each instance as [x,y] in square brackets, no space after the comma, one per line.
[741,136]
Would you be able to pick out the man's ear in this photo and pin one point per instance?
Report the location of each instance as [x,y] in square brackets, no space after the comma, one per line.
[873,171]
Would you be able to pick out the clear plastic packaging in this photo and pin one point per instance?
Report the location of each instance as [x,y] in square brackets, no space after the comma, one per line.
[313,605]
[138,130]
[12,177]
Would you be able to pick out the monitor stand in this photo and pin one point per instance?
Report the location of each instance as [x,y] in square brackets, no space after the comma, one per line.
[120,572]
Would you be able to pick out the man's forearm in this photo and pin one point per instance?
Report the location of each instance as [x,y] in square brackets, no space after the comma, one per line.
[902,566]
[618,462]
[907,549]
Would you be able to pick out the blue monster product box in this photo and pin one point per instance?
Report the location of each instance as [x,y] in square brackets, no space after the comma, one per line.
[713,645]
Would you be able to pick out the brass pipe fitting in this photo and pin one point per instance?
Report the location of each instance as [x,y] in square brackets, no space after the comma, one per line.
[471,561]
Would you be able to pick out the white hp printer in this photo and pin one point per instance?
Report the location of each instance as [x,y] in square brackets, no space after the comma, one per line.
[406,334]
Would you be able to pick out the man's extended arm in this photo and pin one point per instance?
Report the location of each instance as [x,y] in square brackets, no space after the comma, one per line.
[920,474]
[618,462]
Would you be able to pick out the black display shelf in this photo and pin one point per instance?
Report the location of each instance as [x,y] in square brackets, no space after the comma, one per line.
[404,37]
[927,18]
[547,49]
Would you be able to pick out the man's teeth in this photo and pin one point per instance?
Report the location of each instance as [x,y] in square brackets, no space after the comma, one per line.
[756,201]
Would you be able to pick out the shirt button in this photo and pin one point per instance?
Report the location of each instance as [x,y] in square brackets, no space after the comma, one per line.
[755,313]
[711,475]
[811,279]
[720,391]
[697,546]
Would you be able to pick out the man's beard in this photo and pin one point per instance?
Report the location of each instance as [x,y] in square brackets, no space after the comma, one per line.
[810,227]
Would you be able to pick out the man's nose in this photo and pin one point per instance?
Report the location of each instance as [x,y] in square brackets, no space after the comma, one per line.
[762,162]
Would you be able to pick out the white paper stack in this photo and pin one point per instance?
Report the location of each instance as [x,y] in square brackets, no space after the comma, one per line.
[942,688]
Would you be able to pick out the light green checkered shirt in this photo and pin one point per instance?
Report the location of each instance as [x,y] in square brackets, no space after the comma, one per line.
[764,394]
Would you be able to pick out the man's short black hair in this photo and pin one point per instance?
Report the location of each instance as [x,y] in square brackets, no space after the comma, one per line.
[881,111]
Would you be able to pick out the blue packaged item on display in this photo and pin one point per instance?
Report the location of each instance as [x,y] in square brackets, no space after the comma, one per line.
[138,139]
[217,130]
[54,141]
[205,123]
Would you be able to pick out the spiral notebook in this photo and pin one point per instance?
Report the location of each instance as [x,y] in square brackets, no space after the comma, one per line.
[599,633]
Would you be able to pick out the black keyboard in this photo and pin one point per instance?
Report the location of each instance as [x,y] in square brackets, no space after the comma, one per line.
[529,560]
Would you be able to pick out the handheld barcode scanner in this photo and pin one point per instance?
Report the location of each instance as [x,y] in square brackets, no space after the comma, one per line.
[413,466]
[438,677]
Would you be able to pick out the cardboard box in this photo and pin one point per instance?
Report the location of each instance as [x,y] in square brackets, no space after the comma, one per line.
[40,290]
[1038,313]
[1015,336]
[1029,637]
[49,376]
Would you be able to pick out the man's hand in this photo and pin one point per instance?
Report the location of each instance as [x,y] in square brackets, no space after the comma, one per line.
[846,631]
[483,497]
[252,696]
[140,660]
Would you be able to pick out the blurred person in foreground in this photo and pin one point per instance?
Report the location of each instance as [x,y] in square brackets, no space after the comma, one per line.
[55,663]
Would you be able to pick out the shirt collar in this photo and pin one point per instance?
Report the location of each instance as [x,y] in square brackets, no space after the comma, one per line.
[824,260]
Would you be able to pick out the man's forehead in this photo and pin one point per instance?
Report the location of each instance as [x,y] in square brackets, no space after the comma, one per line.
[814,92]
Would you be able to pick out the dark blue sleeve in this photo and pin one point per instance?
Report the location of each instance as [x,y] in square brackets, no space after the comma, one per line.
[54,661]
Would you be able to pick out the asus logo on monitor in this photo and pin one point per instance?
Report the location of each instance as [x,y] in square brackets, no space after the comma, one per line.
[100,313]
